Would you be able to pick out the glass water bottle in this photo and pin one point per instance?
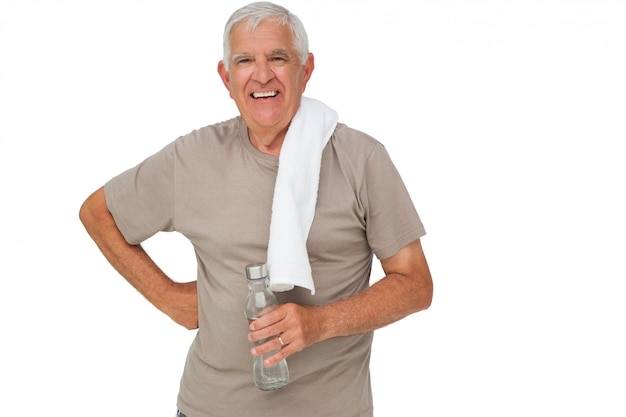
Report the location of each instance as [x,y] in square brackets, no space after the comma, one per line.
[260,301]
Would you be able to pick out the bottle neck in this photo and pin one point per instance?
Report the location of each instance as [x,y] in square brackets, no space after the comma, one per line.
[258,284]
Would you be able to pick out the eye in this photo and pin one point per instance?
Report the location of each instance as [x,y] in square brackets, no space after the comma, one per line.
[278,59]
[243,61]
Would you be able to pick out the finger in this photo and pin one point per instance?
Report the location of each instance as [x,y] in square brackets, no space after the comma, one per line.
[268,319]
[272,345]
[278,356]
[271,331]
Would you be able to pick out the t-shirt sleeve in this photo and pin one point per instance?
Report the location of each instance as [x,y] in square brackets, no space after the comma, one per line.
[141,199]
[392,221]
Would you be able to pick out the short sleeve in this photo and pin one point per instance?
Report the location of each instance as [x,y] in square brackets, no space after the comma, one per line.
[391,219]
[141,199]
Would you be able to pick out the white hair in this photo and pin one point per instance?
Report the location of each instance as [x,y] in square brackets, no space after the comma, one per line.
[254,14]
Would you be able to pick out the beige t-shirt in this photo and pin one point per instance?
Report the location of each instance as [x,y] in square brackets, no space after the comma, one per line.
[216,189]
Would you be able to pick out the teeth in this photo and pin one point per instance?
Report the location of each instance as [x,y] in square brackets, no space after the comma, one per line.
[265,94]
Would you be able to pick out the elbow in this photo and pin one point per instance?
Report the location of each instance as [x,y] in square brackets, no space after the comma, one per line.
[83,213]
[86,213]
[423,292]
[429,299]
[89,211]
[425,295]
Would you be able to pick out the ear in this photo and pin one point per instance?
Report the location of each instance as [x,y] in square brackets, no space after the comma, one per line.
[224,75]
[309,66]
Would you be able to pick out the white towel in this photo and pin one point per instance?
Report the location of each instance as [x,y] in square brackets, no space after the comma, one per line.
[295,195]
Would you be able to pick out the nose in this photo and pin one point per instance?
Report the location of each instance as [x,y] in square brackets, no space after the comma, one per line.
[263,71]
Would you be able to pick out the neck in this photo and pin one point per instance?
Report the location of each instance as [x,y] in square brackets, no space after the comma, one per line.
[268,142]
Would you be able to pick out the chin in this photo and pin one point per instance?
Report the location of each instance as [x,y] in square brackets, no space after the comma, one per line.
[268,119]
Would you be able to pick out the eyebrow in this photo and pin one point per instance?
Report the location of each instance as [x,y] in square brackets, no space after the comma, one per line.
[281,52]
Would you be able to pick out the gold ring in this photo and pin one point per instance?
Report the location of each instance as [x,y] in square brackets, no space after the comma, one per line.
[280,339]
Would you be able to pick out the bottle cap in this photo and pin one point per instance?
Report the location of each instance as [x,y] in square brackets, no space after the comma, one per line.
[256,271]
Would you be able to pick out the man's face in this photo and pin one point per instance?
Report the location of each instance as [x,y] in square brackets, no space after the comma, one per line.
[265,77]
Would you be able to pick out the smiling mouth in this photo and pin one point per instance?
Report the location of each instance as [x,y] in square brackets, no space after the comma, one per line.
[264,94]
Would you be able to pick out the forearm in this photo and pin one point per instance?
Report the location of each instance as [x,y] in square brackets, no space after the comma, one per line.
[407,288]
[136,266]
[387,301]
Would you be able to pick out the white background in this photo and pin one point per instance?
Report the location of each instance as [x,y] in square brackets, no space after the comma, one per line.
[506,119]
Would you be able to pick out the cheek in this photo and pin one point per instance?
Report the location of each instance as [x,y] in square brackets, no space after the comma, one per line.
[237,83]
[301,84]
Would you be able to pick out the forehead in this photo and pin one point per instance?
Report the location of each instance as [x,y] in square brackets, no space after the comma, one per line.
[266,35]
